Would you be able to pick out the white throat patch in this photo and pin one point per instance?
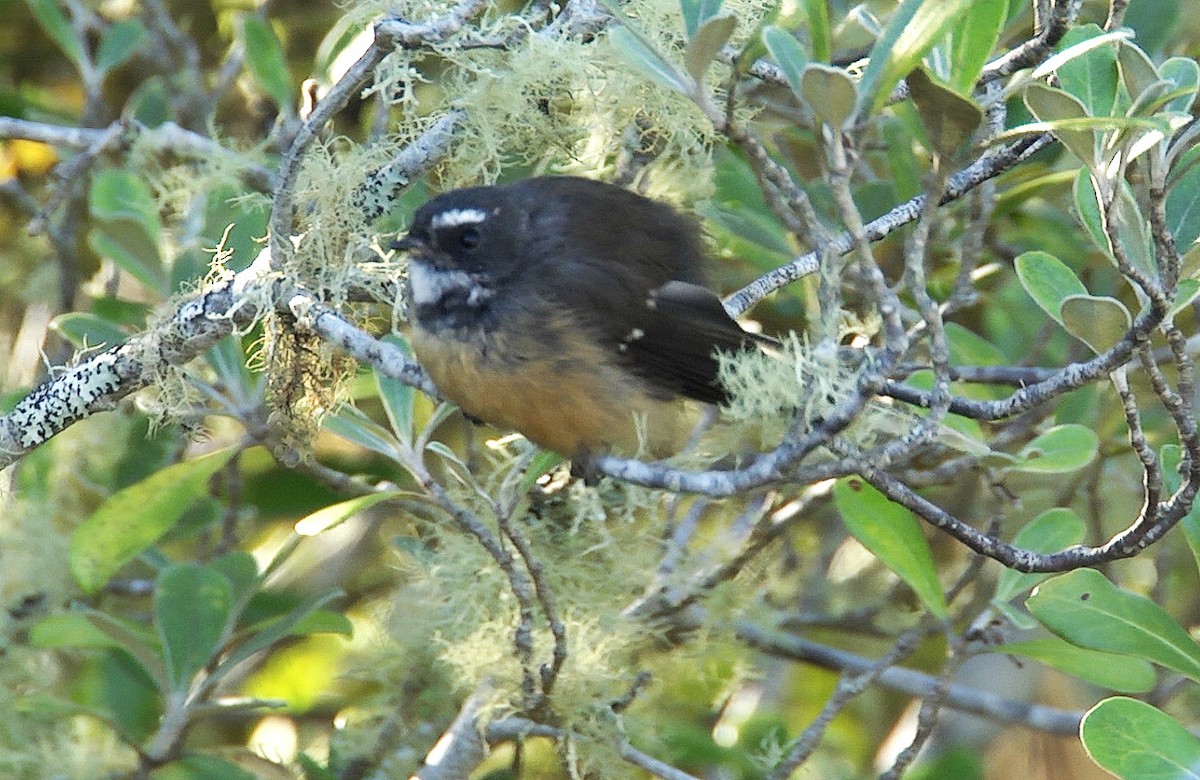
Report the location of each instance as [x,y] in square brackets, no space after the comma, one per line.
[457,218]
[429,285]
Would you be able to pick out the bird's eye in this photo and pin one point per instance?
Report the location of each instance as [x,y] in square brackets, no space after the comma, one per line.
[469,238]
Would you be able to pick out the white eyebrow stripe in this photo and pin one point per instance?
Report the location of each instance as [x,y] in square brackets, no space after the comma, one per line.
[457,217]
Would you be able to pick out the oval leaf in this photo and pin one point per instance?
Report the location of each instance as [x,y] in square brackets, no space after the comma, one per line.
[52,20]
[1136,741]
[1184,73]
[703,48]
[1051,531]
[829,92]
[1048,281]
[1085,609]
[1096,320]
[87,330]
[1092,76]
[135,518]
[893,535]
[192,611]
[1054,106]
[1061,449]
[949,118]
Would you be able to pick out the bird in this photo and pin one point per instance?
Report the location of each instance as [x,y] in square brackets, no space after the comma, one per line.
[570,310]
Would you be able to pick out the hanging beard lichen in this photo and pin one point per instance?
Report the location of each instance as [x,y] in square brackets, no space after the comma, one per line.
[305,380]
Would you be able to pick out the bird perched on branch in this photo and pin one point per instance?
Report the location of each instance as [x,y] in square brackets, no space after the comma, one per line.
[568,310]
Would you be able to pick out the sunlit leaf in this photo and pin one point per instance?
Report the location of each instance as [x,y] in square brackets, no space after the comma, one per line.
[334,515]
[1092,75]
[1135,741]
[135,518]
[971,42]
[893,535]
[1085,609]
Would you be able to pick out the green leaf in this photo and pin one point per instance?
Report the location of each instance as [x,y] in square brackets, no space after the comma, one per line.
[56,25]
[119,43]
[135,518]
[647,60]
[126,226]
[125,241]
[696,13]
[397,397]
[1183,208]
[829,92]
[201,767]
[818,29]
[266,63]
[241,570]
[334,515]
[971,42]
[193,610]
[1171,456]
[354,426]
[893,535]
[69,629]
[1096,320]
[87,330]
[1051,531]
[116,192]
[790,55]
[950,119]
[323,621]
[1048,281]
[1186,292]
[1087,610]
[273,632]
[1056,107]
[1184,73]
[1114,672]
[706,44]
[969,348]
[913,30]
[1136,741]
[1060,450]
[133,640]
[1131,229]
[1137,70]
[1092,76]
